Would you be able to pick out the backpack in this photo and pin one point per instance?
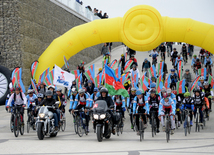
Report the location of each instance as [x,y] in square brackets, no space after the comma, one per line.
[14,97]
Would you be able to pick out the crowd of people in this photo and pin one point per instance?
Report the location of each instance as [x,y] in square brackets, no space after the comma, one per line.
[167,101]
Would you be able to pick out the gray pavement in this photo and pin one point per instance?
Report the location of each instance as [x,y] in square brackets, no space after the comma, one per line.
[128,143]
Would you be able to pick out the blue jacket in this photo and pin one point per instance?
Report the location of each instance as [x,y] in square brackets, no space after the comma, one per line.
[172,79]
[205,61]
[146,107]
[76,102]
[93,99]
[162,103]
[28,99]
[72,99]
[193,61]
[187,106]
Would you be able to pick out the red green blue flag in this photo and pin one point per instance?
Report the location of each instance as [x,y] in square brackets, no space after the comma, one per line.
[33,68]
[42,76]
[79,82]
[90,74]
[113,84]
[160,68]
[145,82]
[181,86]
[76,73]
[34,86]
[66,62]
[124,78]
[127,65]
[113,63]
[118,72]
[152,71]
[167,82]
[159,85]
[211,81]
[194,83]
[51,76]
[203,72]
[134,80]
[180,66]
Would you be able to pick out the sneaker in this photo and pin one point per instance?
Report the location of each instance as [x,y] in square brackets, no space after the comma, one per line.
[201,124]
[172,131]
[163,128]
[158,130]
[132,127]
[191,124]
[179,123]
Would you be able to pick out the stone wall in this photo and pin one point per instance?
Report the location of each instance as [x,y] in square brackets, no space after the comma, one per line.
[27,27]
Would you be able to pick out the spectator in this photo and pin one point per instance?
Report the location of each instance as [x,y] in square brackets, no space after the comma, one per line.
[89,8]
[105,15]
[104,49]
[95,10]
[80,2]
[100,14]
[109,45]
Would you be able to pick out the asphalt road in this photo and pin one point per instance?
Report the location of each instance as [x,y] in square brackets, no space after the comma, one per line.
[128,143]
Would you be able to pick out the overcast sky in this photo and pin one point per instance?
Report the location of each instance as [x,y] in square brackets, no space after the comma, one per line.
[200,10]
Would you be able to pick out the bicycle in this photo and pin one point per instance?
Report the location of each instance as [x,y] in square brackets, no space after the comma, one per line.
[62,121]
[168,127]
[11,117]
[133,122]
[141,126]
[197,126]
[79,123]
[187,126]
[153,125]
[31,121]
[176,118]
[119,125]
[18,121]
[204,119]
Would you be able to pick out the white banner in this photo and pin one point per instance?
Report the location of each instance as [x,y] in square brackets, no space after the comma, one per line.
[62,78]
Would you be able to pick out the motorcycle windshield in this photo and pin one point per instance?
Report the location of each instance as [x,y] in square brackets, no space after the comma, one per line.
[100,106]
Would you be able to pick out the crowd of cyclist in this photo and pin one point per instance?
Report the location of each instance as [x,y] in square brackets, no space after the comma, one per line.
[167,101]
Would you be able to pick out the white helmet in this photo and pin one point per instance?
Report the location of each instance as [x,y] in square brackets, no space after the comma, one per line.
[51,86]
[30,91]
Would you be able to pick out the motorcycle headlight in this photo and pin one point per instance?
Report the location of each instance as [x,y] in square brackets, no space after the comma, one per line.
[41,115]
[102,116]
[95,116]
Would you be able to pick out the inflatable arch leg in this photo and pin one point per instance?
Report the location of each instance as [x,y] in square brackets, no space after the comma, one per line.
[142,28]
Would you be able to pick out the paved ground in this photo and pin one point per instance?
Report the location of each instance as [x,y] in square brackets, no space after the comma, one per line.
[128,143]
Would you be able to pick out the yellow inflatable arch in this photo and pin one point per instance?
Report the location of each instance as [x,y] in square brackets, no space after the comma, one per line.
[142,28]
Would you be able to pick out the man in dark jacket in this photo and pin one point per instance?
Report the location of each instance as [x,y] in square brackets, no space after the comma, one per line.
[49,101]
[163,50]
[104,49]
[90,87]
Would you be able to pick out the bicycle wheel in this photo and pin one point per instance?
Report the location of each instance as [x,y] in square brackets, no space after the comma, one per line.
[189,127]
[63,125]
[153,125]
[167,131]
[141,130]
[22,127]
[11,124]
[28,127]
[80,129]
[16,126]
[133,122]
[185,126]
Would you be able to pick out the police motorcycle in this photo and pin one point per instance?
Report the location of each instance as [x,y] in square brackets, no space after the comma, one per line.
[45,122]
[101,120]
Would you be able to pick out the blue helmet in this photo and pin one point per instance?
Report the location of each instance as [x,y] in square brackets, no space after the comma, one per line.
[153,85]
[96,89]
[172,70]
[139,92]
[89,81]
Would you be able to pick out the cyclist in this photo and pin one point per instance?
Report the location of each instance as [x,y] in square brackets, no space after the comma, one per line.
[193,60]
[171,95]
[174,55]
[188,103]
[146,65]
[202,55]
[42,88]
[179,99]
[122,61]
[208,63]
[134,71]
[197,65]
[201,83]
[154,56]
[190,49]
[93,97]
[119,103]
[162,48]
[188,78]
[134,60]
[198,99]
[208,93]
[177,60]
[139,106]
[62,101]
[90,87]
[72,98]
[167,106]
[82,101]
[31,98]
[17,98]
[153,101]
[81,67]
[130,101]
[165,71]
[50,101]
[8,96]
[174,78]
[108,58]
[184,52]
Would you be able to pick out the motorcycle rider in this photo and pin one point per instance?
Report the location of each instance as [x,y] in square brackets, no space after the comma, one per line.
[82,101]
[167,105]
[104,96]
[52,88]
[140,106]
[153,101]
[119,103]
[50,101]
[130,101]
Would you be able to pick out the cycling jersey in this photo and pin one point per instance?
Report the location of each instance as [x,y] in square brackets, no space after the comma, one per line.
[19,99]
[31,99]
[187,103]
[81,100]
